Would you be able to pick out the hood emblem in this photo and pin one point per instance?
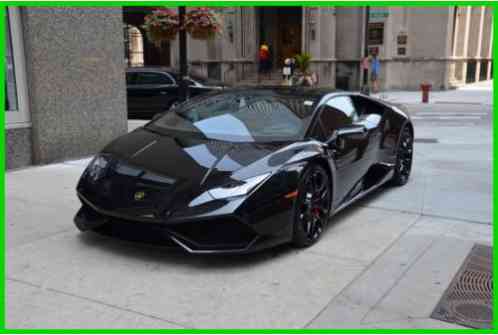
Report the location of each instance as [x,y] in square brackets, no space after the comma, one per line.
[139,196]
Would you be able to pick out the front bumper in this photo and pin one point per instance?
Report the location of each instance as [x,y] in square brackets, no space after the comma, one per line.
[219,234]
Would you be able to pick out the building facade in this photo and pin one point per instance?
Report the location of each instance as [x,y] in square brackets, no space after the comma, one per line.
[65,92]
[65,70]
[444,46]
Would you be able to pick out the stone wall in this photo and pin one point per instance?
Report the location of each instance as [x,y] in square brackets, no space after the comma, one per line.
[76,80]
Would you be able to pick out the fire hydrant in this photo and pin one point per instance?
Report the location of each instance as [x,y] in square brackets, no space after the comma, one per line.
[425,87]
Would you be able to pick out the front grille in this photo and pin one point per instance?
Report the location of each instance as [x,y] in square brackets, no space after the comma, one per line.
[137,232]
[214,234]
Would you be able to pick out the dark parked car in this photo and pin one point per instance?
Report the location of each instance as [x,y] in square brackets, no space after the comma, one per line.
[155,90]
[245,169]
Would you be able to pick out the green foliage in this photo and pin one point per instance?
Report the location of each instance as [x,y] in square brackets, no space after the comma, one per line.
[303,62]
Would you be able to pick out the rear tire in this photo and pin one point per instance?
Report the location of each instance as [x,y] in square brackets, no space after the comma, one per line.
[404,158]
[312,207]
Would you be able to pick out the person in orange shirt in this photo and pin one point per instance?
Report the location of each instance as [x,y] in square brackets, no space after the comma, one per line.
[264,57]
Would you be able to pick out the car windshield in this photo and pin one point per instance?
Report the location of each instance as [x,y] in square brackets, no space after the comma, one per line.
[241,117]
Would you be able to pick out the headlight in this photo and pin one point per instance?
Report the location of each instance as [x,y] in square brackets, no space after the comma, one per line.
[234,189]
[97,167]
[239,188]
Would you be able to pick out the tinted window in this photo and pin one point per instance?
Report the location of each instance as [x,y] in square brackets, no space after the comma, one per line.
[237,117]
[317,132]
[152,78]
[366,106]
[345,105]
[337,113]
[131,78]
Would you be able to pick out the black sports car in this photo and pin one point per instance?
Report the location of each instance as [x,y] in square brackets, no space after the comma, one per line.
[245,169]
[153,90]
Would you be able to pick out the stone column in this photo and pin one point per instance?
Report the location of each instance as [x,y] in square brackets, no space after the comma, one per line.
[467,16]
[75,70]
[478,53]
[490,47]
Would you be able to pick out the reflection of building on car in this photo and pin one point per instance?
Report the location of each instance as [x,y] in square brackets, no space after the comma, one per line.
[154,90]
[245,169]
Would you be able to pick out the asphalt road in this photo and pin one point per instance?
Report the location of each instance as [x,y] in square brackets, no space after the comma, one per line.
[384,262]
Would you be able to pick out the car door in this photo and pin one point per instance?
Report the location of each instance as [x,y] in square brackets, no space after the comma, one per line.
[371,116]
[349,152]
[151,92]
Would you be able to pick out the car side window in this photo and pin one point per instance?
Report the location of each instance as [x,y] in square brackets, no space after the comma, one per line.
[316,132]
[153,78]
[131,78]
[337,113]
[366,106]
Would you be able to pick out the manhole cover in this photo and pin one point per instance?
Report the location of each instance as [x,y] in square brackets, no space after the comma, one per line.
[426,140]
[467,301]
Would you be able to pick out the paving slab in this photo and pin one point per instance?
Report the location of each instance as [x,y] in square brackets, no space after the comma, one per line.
[382,292]
[418,292]
[40,221]
[33,307]
[371,228]
[263,290]
[52,185]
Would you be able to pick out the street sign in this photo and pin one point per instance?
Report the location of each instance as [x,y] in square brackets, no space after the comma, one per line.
[378,14]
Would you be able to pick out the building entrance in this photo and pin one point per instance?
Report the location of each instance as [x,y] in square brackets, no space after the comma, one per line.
[281,29]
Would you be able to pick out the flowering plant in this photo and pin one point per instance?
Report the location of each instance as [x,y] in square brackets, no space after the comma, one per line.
[203,23]
[161,25]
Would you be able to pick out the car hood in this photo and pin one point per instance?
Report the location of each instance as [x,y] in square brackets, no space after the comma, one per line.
[200,162]
[174,170]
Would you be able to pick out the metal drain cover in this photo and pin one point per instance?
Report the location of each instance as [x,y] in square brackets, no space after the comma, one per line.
[468,299]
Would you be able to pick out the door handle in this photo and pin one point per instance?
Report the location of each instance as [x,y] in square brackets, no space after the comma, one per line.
[163,92]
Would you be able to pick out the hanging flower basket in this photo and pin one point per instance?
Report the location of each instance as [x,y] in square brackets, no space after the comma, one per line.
[161,25]
[203,23]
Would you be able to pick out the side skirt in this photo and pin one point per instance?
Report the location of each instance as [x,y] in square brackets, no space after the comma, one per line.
[384,180]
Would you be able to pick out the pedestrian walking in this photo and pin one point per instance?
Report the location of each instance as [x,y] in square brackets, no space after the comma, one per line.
[375,72]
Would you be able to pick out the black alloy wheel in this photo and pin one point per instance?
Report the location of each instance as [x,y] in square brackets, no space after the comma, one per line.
[404,158]
[312,206]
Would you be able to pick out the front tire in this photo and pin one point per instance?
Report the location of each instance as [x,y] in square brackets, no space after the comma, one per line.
[404,158]
[312,206]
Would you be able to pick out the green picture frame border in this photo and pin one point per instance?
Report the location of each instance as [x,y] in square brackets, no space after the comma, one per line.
[230,3]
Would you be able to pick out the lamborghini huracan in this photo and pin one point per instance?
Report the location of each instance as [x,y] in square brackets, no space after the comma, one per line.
[241,170]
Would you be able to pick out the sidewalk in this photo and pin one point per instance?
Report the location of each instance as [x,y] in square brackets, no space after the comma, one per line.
[478,93]
[374,268]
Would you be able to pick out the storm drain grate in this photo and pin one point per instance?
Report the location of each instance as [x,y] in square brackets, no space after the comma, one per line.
[468,299]
[426,140]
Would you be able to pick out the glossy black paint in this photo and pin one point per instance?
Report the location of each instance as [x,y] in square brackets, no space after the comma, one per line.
[155,90]
[176,171]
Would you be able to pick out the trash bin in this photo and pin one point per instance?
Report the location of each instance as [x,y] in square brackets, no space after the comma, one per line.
[425,87]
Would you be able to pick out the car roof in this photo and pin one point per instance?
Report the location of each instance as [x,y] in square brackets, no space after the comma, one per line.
[172,72]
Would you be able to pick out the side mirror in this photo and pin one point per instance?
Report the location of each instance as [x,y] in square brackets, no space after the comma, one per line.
[349,131]
[371,121]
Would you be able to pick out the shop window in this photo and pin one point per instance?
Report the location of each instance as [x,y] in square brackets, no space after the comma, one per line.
[134,44]
[16,104]
[483,73]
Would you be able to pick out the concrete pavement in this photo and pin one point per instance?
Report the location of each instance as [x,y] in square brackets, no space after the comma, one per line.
[477,93]
[383,263]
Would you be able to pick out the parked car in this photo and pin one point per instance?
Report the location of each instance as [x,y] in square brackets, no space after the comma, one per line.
[246,169]
[155,90]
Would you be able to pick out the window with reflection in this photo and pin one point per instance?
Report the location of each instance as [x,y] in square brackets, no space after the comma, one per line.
[337,113]
[238,117]
[11,102]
